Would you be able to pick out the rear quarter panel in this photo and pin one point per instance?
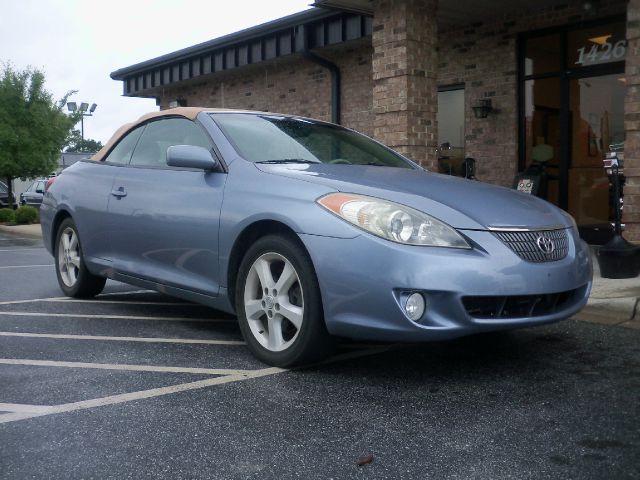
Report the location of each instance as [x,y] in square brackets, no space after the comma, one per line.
[82,191]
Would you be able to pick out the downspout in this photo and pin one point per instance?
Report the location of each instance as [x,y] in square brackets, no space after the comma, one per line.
[335,82]
[336,93]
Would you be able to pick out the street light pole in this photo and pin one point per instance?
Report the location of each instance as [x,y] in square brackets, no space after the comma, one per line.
[73,107]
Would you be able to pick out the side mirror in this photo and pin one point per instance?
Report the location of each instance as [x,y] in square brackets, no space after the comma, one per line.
[191,156]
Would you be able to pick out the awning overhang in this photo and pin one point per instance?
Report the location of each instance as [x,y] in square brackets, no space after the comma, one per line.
[450,13]
[311,29]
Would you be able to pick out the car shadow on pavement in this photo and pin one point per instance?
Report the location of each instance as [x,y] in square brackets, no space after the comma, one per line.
[526,355]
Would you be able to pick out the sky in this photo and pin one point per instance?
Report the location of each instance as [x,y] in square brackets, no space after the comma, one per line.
[77,44]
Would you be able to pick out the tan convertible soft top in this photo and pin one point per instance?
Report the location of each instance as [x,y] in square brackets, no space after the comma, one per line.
[187,112]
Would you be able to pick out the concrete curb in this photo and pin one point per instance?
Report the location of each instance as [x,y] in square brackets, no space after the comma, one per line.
[29,231]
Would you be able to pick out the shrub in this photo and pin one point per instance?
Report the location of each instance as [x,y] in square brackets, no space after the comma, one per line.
[7,215]
[26,214]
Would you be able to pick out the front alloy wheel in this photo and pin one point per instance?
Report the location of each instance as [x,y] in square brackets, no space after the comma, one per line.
[274,302]
[278,303]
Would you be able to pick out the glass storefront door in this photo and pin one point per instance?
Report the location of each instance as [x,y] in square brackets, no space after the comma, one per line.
[543,132]
[572,114]
[596,118]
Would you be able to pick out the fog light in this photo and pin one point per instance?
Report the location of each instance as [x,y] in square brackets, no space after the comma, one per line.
[414,307]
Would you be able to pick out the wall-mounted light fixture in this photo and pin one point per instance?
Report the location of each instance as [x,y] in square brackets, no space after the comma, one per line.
[179,102]
[483,108]
[590,7]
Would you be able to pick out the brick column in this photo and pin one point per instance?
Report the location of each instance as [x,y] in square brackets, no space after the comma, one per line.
[631,213]
[405,64]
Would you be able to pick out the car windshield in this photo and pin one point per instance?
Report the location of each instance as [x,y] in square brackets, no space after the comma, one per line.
[278,139]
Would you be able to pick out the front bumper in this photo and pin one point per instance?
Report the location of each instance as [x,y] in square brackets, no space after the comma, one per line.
[363,279]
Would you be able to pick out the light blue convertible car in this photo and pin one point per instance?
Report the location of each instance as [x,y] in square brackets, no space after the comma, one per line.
[308,232]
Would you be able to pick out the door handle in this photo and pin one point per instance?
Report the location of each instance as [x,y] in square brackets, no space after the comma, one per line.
[119,193]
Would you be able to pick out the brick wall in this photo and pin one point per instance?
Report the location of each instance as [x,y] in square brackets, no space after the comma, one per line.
[483,56]
[291,85]
[396,103]
[388,84]
[357,87]
[631,214]
[404,73]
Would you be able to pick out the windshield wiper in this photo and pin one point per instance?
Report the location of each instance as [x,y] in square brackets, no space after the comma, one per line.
[289,160]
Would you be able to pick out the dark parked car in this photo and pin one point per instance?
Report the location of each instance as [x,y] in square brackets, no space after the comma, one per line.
[309,231]
[4,196]
[33,195]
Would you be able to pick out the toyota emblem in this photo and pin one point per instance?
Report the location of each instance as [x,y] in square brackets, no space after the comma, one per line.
[545,245]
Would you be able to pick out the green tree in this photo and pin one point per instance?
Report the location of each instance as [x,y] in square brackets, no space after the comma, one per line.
[75,143]
[33,127]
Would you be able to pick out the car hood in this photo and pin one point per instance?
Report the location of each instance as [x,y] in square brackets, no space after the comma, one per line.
[463,204]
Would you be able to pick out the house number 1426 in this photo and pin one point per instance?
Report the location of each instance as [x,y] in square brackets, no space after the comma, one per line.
[602,53]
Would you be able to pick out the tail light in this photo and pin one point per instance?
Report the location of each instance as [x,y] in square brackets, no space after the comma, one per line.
[49,183]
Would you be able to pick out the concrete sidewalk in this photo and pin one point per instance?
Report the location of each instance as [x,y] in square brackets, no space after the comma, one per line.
[612,302]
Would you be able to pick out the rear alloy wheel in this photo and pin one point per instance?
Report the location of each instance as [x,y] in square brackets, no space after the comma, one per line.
[73,277]
[278,304]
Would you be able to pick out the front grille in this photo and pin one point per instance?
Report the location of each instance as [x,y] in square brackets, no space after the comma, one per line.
[525,244]
[518,306]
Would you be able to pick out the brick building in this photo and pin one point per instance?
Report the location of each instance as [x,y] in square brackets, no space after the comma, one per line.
[559,80]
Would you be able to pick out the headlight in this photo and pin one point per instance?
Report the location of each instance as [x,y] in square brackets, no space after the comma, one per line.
[392,221]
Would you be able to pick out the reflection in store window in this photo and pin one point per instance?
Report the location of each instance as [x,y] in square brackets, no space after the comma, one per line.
[542,55]
[597,124]
[451,131]
[542,130]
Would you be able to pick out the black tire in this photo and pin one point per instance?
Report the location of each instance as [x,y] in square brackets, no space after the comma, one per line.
[86,284]
[312,342]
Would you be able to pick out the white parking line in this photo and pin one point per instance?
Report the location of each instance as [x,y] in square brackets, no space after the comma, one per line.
[13,237]
[128,397]
[123,339]
[156,392]
[127,292]
[15,302]
[124,367]
[26,266]
[22,408]
[97,300]
[121,302]
[114,317]
[18,249]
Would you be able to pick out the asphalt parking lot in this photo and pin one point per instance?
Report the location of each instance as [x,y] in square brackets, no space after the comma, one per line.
[135,384]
